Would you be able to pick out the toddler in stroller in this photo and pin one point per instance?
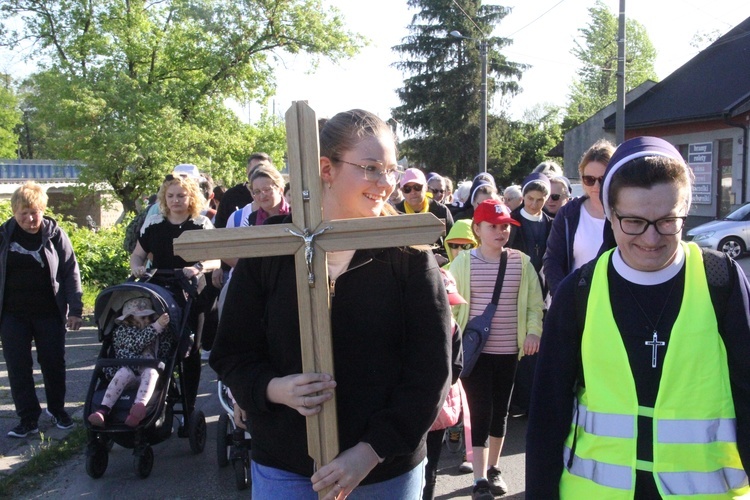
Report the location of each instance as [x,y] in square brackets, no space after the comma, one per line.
[138,336]
[112,418]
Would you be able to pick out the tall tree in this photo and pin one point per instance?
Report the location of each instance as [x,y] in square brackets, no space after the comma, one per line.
[10,118]
[441,95]
[517,146]
[596,84]
[132,87]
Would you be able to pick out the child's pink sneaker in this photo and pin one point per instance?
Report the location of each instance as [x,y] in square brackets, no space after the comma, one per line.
[97,419]
[137,412]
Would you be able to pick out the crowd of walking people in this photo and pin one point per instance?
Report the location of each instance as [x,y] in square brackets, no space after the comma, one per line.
[626,347]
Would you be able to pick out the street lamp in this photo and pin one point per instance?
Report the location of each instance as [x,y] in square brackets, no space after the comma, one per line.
[483,93]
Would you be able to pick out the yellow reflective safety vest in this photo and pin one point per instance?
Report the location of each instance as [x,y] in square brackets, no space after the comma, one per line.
[694,428]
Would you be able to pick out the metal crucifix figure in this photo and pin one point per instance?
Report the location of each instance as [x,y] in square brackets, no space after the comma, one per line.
[309,238]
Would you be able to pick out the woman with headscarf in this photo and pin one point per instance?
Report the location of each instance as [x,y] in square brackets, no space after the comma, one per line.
[642,385]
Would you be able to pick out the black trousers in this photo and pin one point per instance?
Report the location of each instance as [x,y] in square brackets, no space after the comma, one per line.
[488,391]
[48,334]
[434,447]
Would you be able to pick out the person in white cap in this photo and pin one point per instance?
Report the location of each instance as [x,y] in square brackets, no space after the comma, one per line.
[642,385]
[414,187]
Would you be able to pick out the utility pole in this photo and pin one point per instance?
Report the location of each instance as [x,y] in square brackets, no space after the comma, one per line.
[620,115]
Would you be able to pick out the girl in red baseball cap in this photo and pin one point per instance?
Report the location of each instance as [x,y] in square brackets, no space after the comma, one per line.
[516,329]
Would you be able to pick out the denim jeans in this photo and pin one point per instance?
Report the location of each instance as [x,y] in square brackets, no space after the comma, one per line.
[48,334]
[271,483]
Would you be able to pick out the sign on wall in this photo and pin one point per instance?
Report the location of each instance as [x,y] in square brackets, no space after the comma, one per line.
[700,159]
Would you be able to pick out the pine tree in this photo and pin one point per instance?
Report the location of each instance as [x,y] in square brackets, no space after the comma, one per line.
[441,94]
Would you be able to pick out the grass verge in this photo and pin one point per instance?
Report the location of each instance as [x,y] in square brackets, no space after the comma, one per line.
[89,298]
[45,457]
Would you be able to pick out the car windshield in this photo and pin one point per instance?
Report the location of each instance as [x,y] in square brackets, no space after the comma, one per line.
[739,214]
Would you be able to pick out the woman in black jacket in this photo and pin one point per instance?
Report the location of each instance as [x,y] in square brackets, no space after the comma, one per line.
[40,297]
[390,323]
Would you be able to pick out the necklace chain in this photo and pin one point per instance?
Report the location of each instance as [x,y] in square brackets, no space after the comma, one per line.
[664,307]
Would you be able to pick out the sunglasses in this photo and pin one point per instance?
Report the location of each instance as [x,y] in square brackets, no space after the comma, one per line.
[590,180]
[171,177]
[408,189]
[462,246]
[437,191]
[555,197]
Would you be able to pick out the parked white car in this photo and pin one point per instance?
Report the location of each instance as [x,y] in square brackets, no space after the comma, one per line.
[730,235]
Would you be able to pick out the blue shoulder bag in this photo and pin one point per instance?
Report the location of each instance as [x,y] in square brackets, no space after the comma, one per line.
[477,330]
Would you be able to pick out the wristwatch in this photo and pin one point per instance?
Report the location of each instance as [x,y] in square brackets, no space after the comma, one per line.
[198,266]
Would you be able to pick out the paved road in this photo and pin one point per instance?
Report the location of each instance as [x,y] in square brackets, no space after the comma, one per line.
[177,473]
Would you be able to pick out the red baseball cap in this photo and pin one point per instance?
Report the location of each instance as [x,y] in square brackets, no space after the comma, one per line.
[494,212]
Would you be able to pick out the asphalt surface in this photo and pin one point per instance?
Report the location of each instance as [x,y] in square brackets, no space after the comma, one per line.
[177,473]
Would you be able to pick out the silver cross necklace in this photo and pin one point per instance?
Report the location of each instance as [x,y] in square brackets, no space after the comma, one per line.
[654,343]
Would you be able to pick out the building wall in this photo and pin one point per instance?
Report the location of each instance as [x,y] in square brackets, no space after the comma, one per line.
[103,210]
[580,138]
[712,132]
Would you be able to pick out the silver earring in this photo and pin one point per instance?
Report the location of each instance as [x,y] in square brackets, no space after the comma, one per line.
[329,185]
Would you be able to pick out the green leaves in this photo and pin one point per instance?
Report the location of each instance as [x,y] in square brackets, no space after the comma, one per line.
[596,85]
[133,87]
[10,118]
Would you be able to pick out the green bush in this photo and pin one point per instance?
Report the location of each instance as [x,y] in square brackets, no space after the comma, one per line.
[101,258]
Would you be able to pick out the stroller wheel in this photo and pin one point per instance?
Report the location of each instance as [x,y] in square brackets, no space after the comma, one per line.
[240,474]
[108,442]
[223,440]
[197,431]
[96,461]
[144,462]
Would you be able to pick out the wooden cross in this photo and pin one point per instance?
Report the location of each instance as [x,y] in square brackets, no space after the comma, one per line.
[309,237]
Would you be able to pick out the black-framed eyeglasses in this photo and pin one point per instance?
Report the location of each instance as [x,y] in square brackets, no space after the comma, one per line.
[589,180]
[374,173]
[666,226]
[437,191]
[555,197]
[408,188]
[461,246]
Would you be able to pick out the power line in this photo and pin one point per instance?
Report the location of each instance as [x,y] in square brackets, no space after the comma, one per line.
[470,18]
[535,20]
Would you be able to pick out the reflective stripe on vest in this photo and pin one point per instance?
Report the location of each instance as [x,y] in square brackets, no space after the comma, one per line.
[702,483]
[696,431]
[605,424]
[613,476]
[694,449]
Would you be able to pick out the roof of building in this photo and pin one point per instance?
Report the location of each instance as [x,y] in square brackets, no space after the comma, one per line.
[713,84]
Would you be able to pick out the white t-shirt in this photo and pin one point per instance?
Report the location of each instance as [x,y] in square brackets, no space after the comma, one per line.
[588,239]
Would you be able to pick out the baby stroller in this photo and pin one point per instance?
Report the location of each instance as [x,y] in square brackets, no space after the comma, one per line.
[233,443]
[170,389]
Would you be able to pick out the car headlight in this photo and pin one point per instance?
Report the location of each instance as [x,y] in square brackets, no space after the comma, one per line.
[703,236]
